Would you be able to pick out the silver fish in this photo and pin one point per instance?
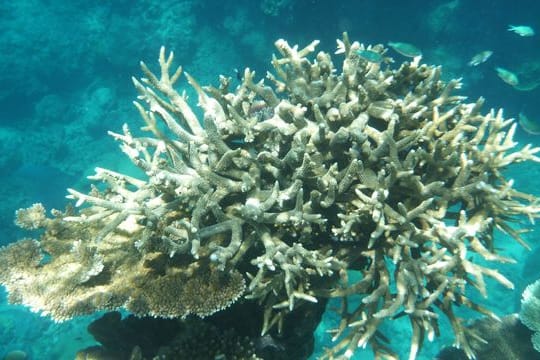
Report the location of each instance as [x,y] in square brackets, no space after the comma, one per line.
[507,76]
[370,55]
[530,126]
[405,49]
[480,58]
[521,30]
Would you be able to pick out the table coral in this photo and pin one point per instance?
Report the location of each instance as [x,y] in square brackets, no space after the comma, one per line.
[277,190]
[530,311]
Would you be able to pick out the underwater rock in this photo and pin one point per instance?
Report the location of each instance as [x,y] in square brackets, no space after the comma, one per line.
[227,335]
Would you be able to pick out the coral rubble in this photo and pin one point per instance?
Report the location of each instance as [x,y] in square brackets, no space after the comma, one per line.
[274,190]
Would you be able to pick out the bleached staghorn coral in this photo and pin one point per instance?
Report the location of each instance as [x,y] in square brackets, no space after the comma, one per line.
[278,190]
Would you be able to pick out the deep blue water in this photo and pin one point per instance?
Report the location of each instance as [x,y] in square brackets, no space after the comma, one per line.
[65,69]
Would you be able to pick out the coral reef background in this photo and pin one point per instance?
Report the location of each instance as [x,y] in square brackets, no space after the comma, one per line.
[65,69]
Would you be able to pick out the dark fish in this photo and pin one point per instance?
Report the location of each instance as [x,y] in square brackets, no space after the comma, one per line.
[239,75]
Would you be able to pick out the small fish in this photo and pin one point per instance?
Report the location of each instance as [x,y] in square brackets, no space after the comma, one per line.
[521,30]
[530,126]
[507,76]
[370,55]
[480,58]
[238,74]
[405,49]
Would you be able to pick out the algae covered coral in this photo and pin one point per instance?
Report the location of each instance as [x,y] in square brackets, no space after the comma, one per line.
[279,189]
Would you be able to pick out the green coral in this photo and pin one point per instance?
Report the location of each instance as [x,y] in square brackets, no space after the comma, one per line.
[281,187]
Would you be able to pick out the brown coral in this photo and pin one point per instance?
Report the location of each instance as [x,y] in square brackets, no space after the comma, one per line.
[79,278]
[332,168]
[31,218]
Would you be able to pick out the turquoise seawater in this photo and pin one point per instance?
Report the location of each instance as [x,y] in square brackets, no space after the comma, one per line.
[65,76]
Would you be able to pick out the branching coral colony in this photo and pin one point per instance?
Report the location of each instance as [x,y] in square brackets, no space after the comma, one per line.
[277,191]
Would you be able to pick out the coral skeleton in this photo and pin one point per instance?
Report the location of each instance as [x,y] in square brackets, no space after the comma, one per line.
[276,190]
